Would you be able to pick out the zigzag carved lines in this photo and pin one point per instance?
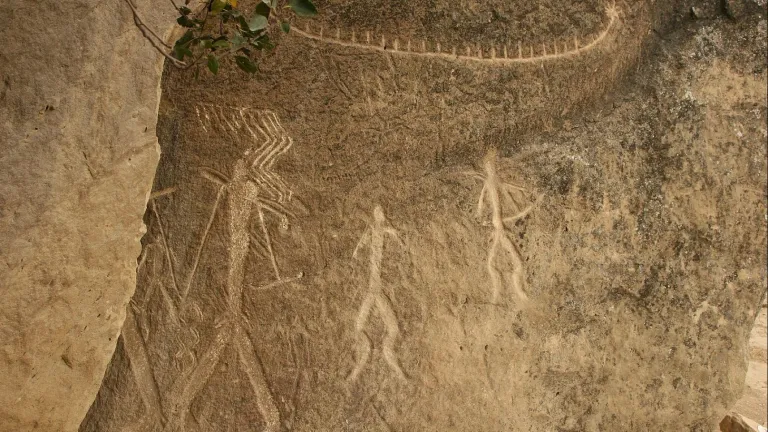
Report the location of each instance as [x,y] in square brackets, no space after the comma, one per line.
[271,141]
[517,53]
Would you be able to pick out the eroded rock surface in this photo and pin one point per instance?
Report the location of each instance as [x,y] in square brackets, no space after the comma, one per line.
[79,90]
[400,241]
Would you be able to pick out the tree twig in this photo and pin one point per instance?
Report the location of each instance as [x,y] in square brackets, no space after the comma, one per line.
[176,8]
[152,37]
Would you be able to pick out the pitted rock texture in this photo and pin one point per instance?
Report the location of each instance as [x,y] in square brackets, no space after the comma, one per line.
[405,243]
[78,152]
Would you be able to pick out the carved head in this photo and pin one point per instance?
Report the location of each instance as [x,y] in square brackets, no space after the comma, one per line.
[378,214]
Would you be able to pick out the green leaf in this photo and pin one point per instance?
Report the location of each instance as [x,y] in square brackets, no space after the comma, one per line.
[213,64]
[257,22]
[262,42]
[237,40]
[303,8]
[285,26]
[179,51]
[243,23]
[217,6]
[206,44]
[262,9]
[188,36]
[220,44]
[184,21]
[246,64]
[185,10]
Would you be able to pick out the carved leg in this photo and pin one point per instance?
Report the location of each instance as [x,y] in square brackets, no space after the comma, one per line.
[252,366]
[142,369]
[363,347]
[393,331]
[518,273]
[187,387]
[493,272]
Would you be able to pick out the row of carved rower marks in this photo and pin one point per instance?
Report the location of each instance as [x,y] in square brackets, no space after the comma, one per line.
[516,52]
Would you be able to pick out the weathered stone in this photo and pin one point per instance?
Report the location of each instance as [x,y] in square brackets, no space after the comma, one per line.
[641,257]
[79,90]
[734,8]
[316,259]
[735,423]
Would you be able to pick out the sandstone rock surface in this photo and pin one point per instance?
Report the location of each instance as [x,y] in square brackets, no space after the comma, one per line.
[398,239]
[735,423]
[619,298]
[79,90]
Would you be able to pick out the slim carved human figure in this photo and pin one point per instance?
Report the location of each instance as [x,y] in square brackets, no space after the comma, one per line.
[242,195]
[374,237]
[244,192]
[260,125]
[492,193]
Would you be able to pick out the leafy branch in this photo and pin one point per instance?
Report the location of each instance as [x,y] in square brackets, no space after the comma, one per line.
[221,29]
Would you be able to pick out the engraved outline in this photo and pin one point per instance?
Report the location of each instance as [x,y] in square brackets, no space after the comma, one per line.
[492,191]
[611,11]
[374,237]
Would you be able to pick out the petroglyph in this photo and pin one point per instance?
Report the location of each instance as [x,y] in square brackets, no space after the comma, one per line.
[169,301]
[375,297]
[252,186]
[242,196]
[271,141]
[506,54]
[264,127]
[493,191]
[243,192]
[260,246]
[203,240]
[141,368]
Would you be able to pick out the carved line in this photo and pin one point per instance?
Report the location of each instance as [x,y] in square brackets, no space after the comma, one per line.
[252,366]
[140,366]
[242,196]
[202,244]
[268,243]
[282,281]
[299,363]
[577,48]
[186,388]
[166,249]
[265,127]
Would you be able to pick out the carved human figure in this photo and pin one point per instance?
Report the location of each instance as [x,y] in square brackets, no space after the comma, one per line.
[492,193]
[375,297]
[252,186]
[242,196]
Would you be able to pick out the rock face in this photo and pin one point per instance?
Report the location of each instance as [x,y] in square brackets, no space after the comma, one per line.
[735,423]
[753,404]
[397,239]
[79,90]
